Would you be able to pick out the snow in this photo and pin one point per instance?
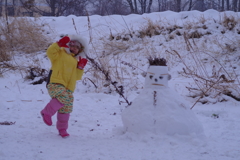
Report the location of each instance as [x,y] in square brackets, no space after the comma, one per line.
[96,127]
[160,110]
[169,115]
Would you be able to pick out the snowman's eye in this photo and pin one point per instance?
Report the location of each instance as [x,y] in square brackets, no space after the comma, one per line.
[161,77]
[151,77]
[169,77]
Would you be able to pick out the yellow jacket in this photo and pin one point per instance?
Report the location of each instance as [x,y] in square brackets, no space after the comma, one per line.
[64,67]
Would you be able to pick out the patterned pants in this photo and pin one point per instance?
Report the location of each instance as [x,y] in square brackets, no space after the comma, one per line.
[64,95]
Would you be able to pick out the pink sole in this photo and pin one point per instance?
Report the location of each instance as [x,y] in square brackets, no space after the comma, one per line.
[64,136]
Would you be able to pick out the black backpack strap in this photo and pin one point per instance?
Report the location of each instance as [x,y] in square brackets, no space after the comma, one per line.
[49,76]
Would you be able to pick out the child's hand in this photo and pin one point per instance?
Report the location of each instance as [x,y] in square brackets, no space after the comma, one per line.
[63,42]
[82,63]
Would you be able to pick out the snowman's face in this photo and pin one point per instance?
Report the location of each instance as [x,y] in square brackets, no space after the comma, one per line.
[159,78]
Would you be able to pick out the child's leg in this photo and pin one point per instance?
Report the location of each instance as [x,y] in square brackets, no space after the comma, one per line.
[62,123]
[58,93]
[64,95]
[51,108]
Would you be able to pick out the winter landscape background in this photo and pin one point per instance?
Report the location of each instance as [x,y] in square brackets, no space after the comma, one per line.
[202,53]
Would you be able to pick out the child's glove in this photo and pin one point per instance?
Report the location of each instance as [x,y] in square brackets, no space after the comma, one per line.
[82,63]
[63,42]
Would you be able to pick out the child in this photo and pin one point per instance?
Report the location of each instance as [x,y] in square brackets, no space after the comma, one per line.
[67,67]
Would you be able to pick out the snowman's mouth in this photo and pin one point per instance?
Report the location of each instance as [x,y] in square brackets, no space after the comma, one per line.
[157,84]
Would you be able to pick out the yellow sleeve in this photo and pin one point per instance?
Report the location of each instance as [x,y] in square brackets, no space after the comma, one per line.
[53,51]
[79,74]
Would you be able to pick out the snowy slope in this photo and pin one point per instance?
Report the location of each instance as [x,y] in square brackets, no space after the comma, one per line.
[95,125]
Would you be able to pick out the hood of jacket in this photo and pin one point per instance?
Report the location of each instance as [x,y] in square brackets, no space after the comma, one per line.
[83,42]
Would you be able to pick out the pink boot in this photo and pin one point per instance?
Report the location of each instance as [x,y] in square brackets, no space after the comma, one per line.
[51,108]
[62,124]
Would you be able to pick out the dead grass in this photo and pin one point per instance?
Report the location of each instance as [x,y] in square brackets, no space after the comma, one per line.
[23,34]
[213,81]
[229,22]
[4,55]
[19,36]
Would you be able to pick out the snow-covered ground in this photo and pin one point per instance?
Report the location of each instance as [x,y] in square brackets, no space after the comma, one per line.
[96,125]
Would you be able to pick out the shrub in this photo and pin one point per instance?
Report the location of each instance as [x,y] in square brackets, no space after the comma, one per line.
[23,34]
[214,79]
[229,22]
[19,35]
[200,47]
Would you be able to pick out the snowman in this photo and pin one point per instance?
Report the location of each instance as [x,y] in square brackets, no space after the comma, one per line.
[158,109]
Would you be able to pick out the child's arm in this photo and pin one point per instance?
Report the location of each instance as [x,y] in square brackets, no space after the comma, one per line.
[54,50]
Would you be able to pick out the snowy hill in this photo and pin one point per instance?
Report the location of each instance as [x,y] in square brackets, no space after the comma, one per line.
[206,44]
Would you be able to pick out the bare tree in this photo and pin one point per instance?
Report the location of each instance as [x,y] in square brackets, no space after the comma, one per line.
[145,6]
[164,5]
[222,5]
[228,4]
[119,7]
[109,7]
[238,5]
[133,5]
[6,8]
[184,4]
[149,6]
[1,6]
[56,7]
[159,5]
[99,6]
[178,5]
[123,7]
[77,7]
[28,3]
[199,5]
[234,4]
[10,8]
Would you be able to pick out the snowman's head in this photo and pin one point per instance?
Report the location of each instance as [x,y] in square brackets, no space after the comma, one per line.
[157,77]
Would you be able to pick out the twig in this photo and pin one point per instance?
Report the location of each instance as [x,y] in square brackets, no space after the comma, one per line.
[7,123]
[126,25]
[205,92]
[18,87]
[108,78]
[131,65]
[26,100]
[92,82]
[97,66]
[75,26]
[186,67]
